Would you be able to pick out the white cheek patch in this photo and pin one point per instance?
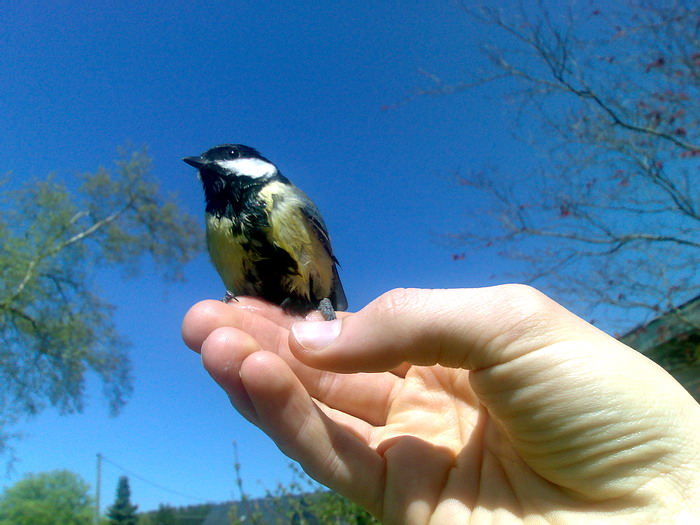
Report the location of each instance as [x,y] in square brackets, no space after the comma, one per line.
[254,168]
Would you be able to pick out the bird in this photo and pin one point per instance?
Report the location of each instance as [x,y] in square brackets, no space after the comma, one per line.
[265,236]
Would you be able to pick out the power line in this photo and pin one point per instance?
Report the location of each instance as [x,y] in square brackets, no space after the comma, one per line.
[98,489]
[156,485]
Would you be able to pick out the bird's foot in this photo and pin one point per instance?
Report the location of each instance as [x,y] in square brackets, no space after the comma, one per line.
[229,297]
[326,309]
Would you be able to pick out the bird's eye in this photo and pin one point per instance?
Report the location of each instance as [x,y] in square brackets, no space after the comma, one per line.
[233,154]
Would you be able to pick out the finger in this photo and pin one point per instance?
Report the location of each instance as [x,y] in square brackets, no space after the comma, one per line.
[224,351]
[232,333]
[327,452]
[265,321]
[253,314]
[364,396]
[471,329]
[222,354]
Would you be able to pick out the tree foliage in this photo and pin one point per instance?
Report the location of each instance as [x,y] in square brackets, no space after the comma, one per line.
[608,96]
[301,501]
[306,502]
[50,498]
[122,512]
[167,515]
[55,325]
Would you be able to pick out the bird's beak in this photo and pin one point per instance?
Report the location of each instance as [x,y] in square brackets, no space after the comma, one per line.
[196,162]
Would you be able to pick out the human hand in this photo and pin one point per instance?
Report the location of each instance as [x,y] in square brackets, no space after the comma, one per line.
[453,406]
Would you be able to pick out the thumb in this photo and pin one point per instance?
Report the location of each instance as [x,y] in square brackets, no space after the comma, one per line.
[465,328]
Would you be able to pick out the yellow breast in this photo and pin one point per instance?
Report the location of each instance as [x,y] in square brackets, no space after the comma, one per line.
[226,252]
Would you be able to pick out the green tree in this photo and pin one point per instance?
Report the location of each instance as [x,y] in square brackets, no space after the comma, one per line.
[306,502]
[122,512]
[55,325]
[50,498]
[607,95]
[165,515]
[302,501]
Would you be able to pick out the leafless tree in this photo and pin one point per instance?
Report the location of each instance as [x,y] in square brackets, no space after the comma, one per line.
[609,219]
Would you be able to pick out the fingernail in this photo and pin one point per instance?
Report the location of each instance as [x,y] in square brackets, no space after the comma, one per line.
[314,335]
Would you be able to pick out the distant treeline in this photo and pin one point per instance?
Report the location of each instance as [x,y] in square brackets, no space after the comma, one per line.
[317,508]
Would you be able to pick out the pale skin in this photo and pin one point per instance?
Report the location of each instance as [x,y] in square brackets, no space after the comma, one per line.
[490,405]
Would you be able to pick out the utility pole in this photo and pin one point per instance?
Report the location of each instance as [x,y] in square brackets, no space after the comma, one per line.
[97,489]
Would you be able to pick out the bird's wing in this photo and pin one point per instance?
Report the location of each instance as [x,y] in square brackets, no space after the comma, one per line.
[338,299]
[312,214]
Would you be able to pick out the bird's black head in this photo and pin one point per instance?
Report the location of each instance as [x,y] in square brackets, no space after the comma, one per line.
[231,152]
[237,158]
[233,161]
[230,173]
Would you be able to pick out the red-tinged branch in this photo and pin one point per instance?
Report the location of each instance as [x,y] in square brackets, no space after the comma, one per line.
[616,241]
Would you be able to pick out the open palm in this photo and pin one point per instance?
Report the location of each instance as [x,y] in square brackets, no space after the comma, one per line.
[530,415]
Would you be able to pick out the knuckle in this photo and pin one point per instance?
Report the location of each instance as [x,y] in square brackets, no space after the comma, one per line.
[408,314]
[401,305]
[395,301]
[525,299]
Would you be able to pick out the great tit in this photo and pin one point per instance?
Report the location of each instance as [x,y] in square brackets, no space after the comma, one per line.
[265,236]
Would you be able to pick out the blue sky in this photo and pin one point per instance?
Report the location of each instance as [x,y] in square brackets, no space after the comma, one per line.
[303,82]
